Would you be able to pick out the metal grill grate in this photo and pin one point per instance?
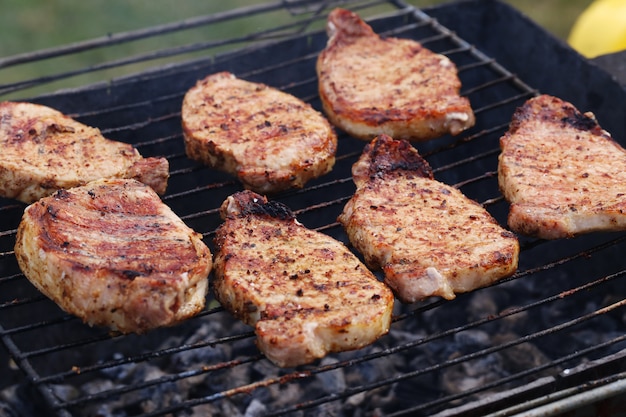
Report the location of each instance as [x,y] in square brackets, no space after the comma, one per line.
[525,337]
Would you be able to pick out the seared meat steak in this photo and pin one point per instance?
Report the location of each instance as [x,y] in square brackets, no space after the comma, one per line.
[429,239]
[44,150]
[562,173]
[371,85]
[111,253]
[270,140]
[304,292]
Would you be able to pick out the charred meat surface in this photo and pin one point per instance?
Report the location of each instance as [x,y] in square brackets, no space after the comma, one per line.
[44,150]
[428,238]
[270,140]
[304,292]
[562,173]
[371,85]
[112,253]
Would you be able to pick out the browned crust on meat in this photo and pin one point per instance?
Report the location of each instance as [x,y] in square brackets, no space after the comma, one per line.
[371,85]
[305,293]
[153,172]
[427,237]
[553,110]
[245,204]
[113,254]
[386,157]
[270,140]
[44,150]
[562,173]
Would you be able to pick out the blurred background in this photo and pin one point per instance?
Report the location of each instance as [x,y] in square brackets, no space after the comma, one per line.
[29,25]
[35,24]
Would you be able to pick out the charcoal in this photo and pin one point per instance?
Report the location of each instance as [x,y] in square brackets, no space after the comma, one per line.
[332,381]
[255,409]
[435,350]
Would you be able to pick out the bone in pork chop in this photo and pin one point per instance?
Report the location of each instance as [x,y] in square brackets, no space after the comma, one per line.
[111,253]
[304,292]
[428,238]
[562,173]
[44,150]
[270,140]
[371,85]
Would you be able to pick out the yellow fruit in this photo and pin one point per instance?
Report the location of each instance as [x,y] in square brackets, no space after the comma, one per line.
[600,29]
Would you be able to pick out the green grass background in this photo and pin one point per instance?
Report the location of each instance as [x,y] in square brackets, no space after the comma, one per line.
[29,25]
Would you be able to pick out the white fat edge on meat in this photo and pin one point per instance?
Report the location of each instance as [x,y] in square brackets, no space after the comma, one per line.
[442,282]
[445,62]
[464,117]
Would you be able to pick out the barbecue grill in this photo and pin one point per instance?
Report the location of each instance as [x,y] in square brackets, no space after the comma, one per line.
[550,340]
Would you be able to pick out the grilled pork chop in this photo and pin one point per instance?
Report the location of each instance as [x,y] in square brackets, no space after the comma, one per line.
[44,150]
[305,293]
[270,140]
[562,173]
[429,239]
[371,85]
[111,253]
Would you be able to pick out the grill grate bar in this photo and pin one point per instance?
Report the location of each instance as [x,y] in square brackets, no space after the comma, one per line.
[15,303]
[478,54]
[531,271]
[127,106]
[10,278]
[139,358]
[100,338]
[66,346]
[364,358]
[257,37]
[565,400]
[467,161]
[62,376]
[492,83]
[140,34]
[484,176]
[486,132]
[197,190]
[38,325]
[512,99]
[557,263]
[484,352]
[26,366]
[8,253]
[162,380]
[123,37]
[520,375]
[506,78]
[362,388]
